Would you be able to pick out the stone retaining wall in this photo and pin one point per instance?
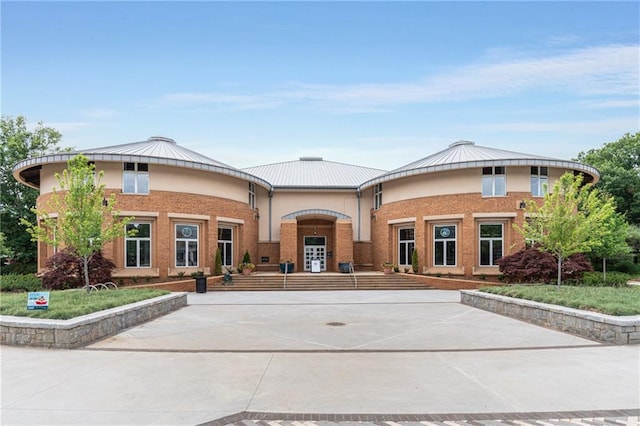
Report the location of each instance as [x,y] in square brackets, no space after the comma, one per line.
[86,329]
[600,327]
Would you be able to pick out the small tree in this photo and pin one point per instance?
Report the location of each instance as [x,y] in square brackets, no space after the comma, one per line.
[414,261]
[246,258]
[85,219]
[217,265]
[574,218]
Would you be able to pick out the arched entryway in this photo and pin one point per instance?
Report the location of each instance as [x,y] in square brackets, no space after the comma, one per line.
[317,234]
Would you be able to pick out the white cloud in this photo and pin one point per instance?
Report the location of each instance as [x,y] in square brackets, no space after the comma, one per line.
[603,70]
[588,127]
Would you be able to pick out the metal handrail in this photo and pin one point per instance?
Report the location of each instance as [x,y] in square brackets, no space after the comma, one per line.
[353,274]
[284,281]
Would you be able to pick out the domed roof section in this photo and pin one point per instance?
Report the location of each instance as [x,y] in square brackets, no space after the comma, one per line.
[156,147]
[155,150]
[466,154]
[314,172]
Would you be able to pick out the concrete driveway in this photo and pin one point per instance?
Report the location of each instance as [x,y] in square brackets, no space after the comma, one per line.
[376,352]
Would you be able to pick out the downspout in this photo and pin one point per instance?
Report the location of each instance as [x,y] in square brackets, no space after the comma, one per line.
[270,213]
[359,221]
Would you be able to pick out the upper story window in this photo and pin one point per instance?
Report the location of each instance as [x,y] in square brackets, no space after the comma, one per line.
[135,178]
[377,196]
[252,195]
[493,181]
[539,181]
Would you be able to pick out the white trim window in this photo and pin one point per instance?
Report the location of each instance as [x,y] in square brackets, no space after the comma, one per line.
[137,248]
[377,196]
[252,195]
[491,243]
[444,245]
[186,245]
[406,245]
[135,178]
[225,245]
[493,181]
[539,181]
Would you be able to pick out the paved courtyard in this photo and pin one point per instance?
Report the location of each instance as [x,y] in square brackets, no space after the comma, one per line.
[347,357]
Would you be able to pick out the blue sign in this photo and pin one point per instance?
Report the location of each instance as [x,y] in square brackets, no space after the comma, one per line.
[38,300]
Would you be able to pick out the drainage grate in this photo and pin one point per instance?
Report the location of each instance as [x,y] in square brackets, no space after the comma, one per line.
[336,324]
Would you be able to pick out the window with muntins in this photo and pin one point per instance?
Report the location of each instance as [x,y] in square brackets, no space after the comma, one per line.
[493,181]
[406,244]
[135,178]
[225,245]
[138,246]
[252,195]
[186,245]
[377,196]
[539,181]
[491,243]
[444,245]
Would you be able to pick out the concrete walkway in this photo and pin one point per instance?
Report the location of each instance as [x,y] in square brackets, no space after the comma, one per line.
[329,353]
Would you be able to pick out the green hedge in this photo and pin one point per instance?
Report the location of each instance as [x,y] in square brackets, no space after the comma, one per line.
[595,279]
[20,282]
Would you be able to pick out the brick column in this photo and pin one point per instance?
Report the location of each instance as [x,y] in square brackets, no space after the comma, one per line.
[343,247]
[289,242]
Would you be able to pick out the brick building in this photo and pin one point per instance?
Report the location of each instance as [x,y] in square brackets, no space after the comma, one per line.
[456,208]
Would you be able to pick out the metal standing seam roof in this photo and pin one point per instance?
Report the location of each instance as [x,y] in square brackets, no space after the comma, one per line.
[466,154]
[305,173]
[314,173]
[155,150]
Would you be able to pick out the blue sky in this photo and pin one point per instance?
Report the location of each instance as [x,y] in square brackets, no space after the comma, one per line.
[378,84]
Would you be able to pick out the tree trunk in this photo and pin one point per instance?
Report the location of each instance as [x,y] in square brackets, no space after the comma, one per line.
[559,270]
[85,267]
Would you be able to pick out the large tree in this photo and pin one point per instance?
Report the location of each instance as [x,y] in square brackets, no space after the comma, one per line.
[78,216]
[573,218]
[619,165]
[17,200]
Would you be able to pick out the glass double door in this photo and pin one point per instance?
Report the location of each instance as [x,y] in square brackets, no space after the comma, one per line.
[315,248]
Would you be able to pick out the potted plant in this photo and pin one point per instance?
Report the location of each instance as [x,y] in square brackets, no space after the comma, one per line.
[286,265]
[246,266]
[388,267]
[201,281]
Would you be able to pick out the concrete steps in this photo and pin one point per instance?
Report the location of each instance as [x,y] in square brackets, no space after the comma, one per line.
[321,281]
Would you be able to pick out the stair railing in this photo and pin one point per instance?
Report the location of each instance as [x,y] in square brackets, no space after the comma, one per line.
[353,274]
[284,281]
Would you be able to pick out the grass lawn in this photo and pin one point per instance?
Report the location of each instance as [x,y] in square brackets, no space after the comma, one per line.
[73,303]
[618,301]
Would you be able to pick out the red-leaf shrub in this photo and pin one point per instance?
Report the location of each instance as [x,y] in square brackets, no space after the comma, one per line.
[64,270]
[531,265]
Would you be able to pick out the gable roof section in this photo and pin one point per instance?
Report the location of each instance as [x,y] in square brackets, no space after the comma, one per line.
[466,154]
[314,173]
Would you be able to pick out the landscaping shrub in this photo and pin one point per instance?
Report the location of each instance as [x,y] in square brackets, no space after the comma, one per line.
[20,282]
[531,265]
[614,279]
[64,270]
[18,268]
